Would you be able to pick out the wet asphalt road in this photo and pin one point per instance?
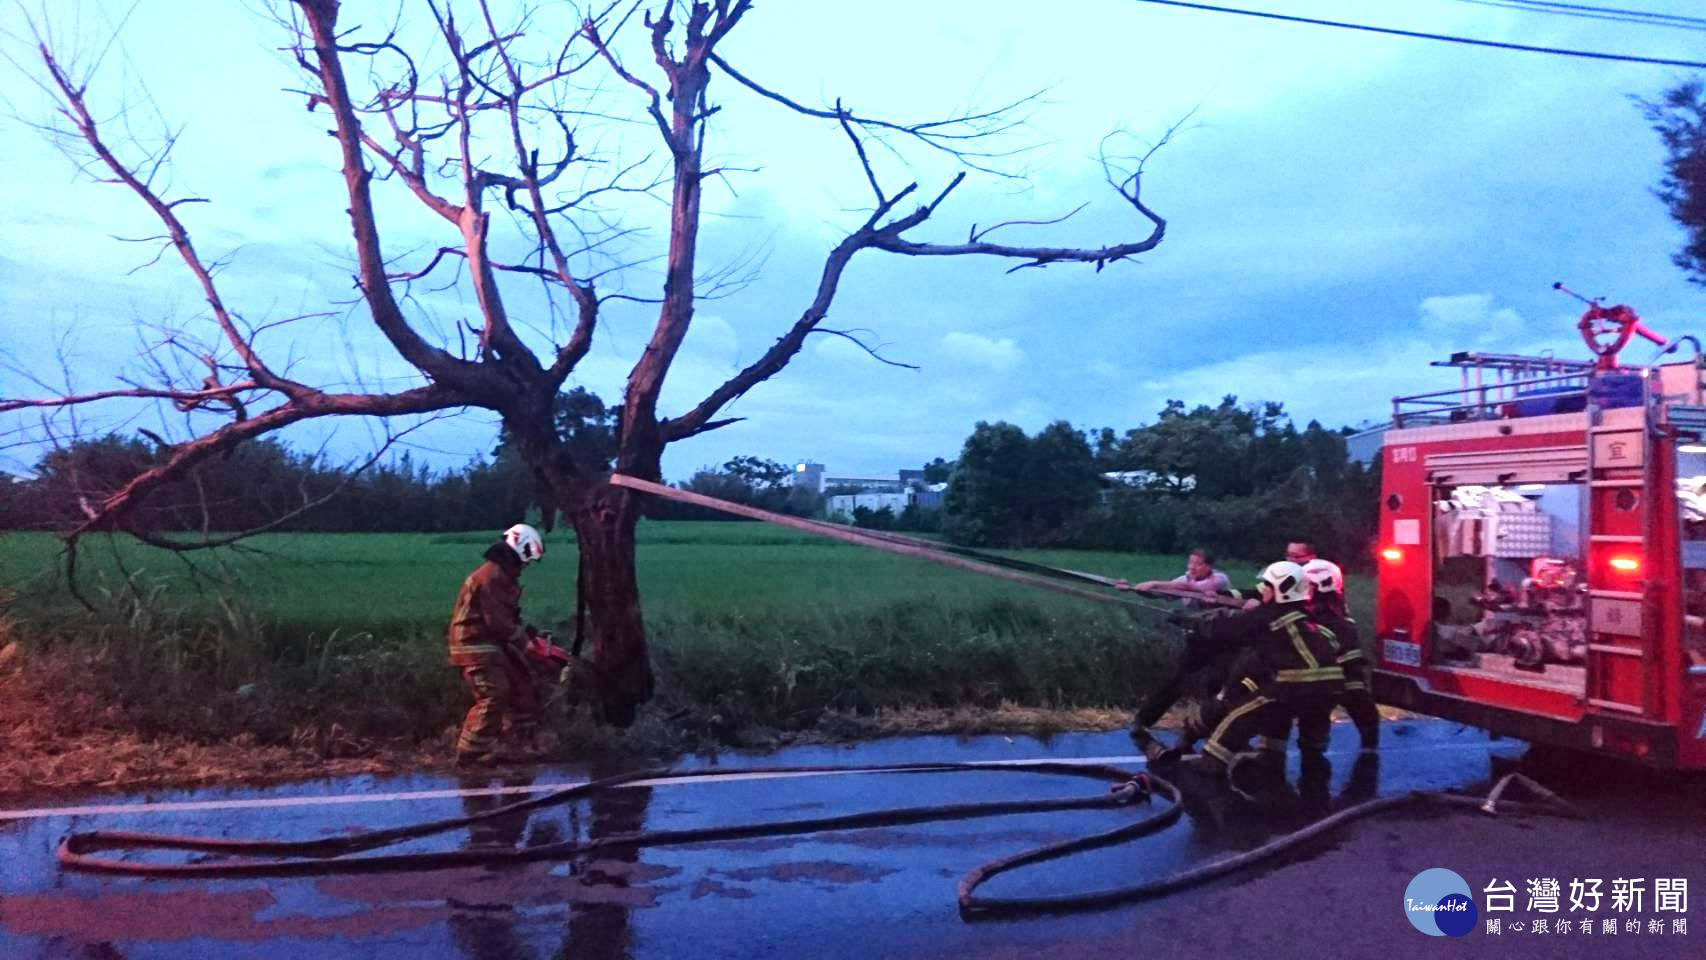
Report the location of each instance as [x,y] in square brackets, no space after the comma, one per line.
[883,892]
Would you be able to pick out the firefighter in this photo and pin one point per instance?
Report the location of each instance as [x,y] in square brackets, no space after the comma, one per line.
[1327,607]
[1203,651]
[1292,670]
[1200,576]
[488,643]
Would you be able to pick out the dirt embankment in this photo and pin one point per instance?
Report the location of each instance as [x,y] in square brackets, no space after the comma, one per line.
[54,738]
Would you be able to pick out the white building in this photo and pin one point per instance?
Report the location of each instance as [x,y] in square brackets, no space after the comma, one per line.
[925,498]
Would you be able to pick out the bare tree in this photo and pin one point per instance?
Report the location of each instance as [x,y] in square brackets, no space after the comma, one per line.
[498,128]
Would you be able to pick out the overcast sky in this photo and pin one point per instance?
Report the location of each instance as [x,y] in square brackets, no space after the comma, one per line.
[1343,209]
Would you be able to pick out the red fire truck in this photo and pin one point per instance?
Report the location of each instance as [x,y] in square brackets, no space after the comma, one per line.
[1542,553]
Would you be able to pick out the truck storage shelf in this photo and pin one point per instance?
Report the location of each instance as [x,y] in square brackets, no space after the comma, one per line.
[1501,667]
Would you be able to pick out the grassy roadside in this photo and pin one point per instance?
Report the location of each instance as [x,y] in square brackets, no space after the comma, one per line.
[329,649]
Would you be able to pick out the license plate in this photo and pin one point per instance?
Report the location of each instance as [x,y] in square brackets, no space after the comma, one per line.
[1402,652]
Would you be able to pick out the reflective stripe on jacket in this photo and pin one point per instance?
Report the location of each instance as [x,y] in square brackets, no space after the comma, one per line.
[1342,631]
[1292,649]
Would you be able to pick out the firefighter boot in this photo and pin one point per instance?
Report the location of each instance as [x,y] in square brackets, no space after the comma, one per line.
[1312,784]
[470,759]
[528,744]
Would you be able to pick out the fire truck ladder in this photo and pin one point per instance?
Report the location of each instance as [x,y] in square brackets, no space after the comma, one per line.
[1621,622]
[1489,382]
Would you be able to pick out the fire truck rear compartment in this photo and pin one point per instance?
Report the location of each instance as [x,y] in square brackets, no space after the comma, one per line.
[1543,555]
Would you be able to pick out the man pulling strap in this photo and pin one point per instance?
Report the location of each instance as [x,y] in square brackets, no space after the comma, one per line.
[1200,650]
[1293,669]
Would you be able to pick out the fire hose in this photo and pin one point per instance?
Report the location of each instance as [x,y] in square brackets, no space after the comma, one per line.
[976,561]
[331,855]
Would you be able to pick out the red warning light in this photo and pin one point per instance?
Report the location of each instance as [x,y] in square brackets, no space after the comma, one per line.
[1392,554]
[1625,564]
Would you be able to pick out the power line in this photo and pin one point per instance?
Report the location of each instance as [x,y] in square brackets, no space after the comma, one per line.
[1447,38]
[1640,14]
[1586,13]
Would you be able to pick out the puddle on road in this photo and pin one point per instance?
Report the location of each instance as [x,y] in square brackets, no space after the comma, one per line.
[692,898]
[190,914]
[818,872]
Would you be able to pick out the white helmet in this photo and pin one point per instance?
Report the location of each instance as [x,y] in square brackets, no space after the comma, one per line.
[526,542]
[1286,579]
[1324,576]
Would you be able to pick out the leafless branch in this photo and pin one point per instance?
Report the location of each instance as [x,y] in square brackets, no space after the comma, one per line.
[851,335]
[75,108]
[591,31]
[964,136]
[327,67]
[977,234]
[309,502]
[196,397]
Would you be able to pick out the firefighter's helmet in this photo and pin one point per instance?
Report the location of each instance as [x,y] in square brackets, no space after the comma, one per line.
[1324,576]
[526,542]
[1287,581]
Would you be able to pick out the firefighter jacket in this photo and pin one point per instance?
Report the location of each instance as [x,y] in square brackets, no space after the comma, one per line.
[1341,632]
[1289,650]
[486,624]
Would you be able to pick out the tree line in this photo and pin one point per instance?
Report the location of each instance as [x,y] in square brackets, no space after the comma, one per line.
[265,485]
[1238,478]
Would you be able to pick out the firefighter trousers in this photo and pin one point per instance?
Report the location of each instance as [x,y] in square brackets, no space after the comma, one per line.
[1359,700]
[1314,715]
[1268,712]
[500,690]
[1200,652]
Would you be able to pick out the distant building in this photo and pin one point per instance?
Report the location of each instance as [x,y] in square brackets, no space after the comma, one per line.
[924,497]
[872,484]
[809,476]
[929,496]
[846,503]
[814,477]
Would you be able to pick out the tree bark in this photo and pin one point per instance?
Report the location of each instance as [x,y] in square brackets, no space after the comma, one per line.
[612,630]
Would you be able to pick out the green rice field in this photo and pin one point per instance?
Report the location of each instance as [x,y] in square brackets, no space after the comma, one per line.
[750,620]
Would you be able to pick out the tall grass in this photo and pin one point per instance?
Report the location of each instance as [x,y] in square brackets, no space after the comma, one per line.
[760,626]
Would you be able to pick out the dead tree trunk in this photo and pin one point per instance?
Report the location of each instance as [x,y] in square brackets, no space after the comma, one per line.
[611,628]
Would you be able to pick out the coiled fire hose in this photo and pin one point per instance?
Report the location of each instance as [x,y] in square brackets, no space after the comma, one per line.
[332,855]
